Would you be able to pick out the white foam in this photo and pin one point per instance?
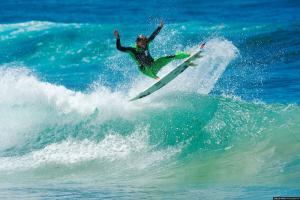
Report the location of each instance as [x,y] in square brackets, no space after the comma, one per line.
[134,150]
[28,104]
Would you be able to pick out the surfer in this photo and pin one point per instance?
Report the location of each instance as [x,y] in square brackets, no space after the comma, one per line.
[140,53]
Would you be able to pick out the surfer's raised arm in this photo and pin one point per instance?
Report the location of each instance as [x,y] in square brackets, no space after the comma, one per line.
[155,33]
[118,43]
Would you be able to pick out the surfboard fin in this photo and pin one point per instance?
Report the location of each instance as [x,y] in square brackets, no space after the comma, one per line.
[191,64]
[195,57]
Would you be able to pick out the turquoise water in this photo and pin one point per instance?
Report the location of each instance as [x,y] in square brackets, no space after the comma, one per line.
[226,129]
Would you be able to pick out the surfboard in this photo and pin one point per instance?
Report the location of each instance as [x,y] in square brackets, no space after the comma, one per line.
[171,75]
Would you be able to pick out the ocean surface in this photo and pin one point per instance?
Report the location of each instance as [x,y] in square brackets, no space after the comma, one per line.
[228,128]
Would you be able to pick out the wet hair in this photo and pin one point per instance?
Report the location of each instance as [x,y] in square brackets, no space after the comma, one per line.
[141,38]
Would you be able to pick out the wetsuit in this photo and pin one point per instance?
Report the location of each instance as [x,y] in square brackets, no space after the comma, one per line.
[147,64]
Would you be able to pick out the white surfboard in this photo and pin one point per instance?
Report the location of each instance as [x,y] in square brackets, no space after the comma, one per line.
[170,76]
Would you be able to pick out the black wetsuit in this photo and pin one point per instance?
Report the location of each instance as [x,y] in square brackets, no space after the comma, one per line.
[142,55]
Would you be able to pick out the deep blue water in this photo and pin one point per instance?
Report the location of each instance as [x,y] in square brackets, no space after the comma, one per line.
[228,129]
[115,12]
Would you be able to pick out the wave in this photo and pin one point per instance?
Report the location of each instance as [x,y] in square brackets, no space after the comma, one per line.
[37,104]
[201,139]
[49,125]
[179,133]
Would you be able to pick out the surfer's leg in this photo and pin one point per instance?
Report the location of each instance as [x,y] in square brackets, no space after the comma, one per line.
[148,72]
[181,55]
[163,61]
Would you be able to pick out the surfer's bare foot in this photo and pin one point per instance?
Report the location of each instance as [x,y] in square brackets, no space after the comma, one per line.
[157,78]
[202,45]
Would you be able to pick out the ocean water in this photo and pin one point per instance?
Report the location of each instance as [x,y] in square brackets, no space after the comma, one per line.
[228,128]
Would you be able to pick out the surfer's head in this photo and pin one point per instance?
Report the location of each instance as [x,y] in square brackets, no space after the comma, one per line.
[141,41]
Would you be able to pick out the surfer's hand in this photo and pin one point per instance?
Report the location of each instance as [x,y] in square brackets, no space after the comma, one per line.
[157,78]
[117,36]
[161,24]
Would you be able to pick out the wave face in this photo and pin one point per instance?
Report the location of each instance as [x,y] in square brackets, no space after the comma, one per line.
[228,127]
[47,125]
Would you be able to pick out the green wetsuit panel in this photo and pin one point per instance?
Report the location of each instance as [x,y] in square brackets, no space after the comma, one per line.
[159,63]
